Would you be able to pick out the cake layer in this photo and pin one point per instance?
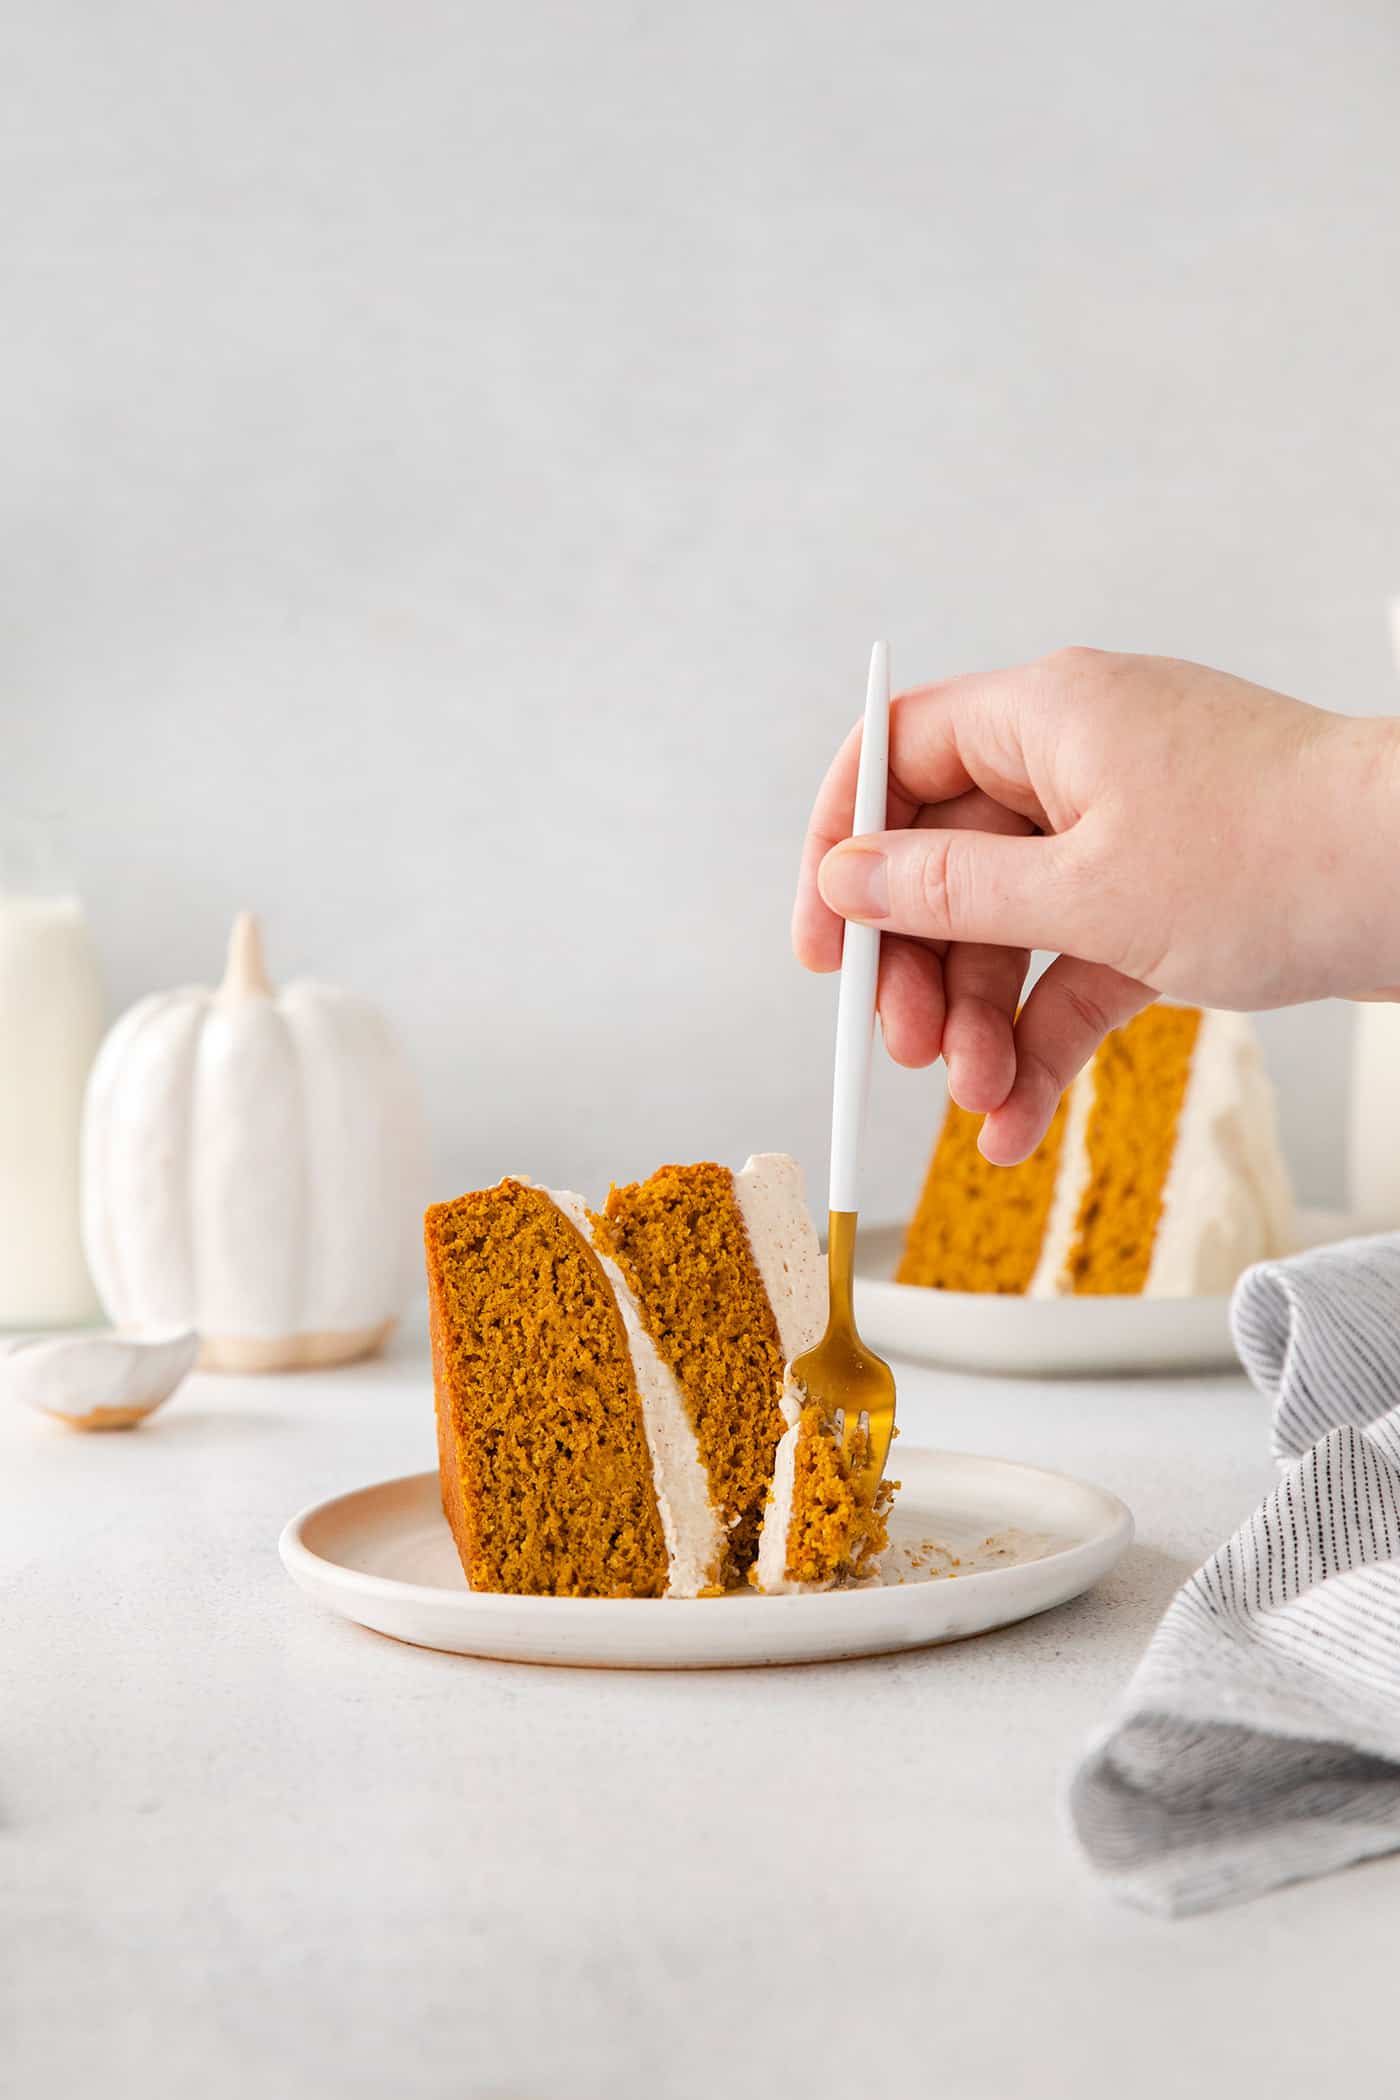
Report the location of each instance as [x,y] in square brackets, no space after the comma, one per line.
[979,1227]
[726,1271]
[1140,1076]
[569,1466]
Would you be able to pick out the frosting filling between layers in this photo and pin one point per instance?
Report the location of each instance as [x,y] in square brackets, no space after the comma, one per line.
[691,1527]
[1049,1280]
[769,1192]
[770,1569]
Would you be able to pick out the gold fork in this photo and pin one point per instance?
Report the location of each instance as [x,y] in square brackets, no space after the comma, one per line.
[841,1375]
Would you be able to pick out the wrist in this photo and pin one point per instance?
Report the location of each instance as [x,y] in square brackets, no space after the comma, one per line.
[1358,870]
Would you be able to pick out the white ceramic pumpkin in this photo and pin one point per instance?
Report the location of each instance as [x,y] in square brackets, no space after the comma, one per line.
[252,1167]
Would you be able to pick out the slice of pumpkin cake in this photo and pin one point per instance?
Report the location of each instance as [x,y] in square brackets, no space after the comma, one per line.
[615,1415]
[569,1464]
[1161,1175]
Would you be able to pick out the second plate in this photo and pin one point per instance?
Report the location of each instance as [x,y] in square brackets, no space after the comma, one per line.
[1047,1337]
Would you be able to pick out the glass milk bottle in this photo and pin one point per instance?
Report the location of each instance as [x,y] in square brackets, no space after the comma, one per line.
[1373,1128]
[1373,1132]
[50,1026]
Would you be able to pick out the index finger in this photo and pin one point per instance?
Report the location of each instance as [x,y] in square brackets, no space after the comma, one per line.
[944,740]
[816,930]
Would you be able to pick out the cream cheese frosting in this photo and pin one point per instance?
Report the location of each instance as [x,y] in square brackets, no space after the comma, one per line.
[783,1241]
[1071,1180]
[770,1569]
[770,1194]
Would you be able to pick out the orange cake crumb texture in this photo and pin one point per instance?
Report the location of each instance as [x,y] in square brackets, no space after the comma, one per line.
[680,1241]
[979,1227]
[546,1475]
[1140,1076]
[838,1529]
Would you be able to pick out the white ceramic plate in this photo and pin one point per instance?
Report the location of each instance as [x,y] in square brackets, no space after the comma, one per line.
[1045,1337]
[1025,1540]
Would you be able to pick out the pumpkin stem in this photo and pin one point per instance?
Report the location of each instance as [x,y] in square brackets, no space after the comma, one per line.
[245,974]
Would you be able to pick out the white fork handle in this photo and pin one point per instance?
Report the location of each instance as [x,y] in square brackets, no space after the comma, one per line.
[860,953]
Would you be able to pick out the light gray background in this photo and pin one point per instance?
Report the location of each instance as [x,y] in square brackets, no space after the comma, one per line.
[457,457]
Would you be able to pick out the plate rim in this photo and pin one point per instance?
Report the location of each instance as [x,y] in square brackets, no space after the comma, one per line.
[1314,1225]
[1079,1300]
[1119,1532]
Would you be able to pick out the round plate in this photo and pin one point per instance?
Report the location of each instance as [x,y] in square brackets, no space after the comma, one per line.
[1045,1337]
[974,1543]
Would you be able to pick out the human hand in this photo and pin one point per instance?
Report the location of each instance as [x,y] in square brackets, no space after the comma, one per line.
[1164,827]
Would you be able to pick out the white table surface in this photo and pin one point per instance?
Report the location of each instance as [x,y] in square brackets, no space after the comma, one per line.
[248,1849]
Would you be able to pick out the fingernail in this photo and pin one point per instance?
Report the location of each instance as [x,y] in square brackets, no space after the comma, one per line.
[854,880]
[995,1153]
[987,1145]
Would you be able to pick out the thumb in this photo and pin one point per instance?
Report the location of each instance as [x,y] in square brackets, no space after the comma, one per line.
[965,886]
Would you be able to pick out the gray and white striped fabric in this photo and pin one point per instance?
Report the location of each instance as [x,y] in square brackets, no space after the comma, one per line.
[1259,1739]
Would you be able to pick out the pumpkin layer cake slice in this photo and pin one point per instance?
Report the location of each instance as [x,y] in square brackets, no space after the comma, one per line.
[611,1390]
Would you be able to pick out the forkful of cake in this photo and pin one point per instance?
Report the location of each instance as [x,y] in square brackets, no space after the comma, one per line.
[843,1378]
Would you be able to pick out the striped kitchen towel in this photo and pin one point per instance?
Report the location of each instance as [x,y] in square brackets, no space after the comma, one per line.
[1259,1739]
